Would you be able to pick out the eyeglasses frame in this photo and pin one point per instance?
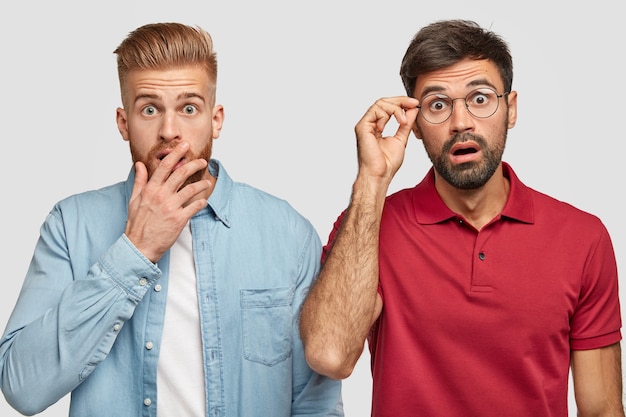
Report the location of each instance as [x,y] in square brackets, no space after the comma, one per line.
[498,97]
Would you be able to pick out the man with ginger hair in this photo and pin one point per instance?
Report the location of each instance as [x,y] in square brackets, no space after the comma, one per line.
[175,292]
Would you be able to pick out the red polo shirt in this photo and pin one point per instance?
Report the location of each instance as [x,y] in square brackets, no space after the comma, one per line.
[481,323]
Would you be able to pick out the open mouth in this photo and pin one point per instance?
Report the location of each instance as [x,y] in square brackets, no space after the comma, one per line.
[161,156]
[464,151]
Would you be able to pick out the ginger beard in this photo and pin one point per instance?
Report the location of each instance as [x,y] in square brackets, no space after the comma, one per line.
[151,161]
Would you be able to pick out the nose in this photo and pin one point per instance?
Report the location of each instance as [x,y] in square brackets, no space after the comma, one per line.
[169,129]
[461,119]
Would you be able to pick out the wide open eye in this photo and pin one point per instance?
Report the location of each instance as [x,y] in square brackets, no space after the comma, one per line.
[190,109]
[437,103]
[483,97]
[482,102]
[149,110]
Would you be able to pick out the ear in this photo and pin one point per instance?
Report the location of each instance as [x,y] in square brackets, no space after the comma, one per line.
[417,131]
[122,123]
[512,100]
[218,120]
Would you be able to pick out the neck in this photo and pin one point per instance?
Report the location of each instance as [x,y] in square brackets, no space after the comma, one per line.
[478,206]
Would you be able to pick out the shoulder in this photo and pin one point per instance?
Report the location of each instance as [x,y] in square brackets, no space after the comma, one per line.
[563,222]
[247,200]
[263,199]
[98,202]
[551,208]
[263,206]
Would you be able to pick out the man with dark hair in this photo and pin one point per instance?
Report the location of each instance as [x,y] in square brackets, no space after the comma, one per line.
[475,292]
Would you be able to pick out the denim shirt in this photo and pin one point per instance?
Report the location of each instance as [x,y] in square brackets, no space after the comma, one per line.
[90,313]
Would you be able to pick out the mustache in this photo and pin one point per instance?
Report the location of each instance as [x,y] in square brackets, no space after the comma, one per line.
[156,150]
[464,137]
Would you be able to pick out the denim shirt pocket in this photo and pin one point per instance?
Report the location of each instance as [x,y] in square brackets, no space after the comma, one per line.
[267,324]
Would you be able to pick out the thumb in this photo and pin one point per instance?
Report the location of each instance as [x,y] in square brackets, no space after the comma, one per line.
[404,130]
[403,133]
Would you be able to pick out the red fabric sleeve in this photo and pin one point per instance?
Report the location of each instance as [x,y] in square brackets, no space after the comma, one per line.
[596,322]
[332,236]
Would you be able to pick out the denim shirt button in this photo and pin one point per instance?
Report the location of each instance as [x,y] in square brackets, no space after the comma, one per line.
[157,287]
[149,345]
[116,327]
[147,401]
[143,282]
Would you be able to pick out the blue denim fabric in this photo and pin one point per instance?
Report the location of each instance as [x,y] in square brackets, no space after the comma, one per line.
[90,314]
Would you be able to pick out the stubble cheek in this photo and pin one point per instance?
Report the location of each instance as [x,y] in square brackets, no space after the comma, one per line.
[148,160]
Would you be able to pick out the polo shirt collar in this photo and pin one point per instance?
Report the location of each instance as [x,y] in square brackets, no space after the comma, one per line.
[430,208]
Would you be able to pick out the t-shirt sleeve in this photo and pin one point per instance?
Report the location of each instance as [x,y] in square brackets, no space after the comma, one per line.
[332,236]
[596,321]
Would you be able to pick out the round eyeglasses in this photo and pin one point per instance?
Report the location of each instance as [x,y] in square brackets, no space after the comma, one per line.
[481,103]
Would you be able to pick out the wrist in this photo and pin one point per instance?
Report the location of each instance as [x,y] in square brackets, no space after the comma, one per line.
[369,191]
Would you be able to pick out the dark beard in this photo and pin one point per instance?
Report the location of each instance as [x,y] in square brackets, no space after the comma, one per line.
[469,175]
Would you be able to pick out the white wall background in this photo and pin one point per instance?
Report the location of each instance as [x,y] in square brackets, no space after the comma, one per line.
[294,78]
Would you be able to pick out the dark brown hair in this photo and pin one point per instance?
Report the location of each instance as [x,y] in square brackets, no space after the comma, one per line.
[446,42]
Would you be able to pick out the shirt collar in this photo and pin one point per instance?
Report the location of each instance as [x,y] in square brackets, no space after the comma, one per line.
[220,198]
[430,208]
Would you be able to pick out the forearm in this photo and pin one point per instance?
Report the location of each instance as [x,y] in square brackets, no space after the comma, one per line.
[597,376]
[342,305]
[62,328]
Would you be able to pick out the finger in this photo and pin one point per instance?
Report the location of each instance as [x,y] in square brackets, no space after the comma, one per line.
[403,133]
[167,164]
[183,172]
[374,120]
[406,122]
[141,178]
[383,115]
[381,112]
[191,192]
[405,119]
[194,207]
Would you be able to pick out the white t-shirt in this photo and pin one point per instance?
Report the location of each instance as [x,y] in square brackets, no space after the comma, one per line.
[180,371]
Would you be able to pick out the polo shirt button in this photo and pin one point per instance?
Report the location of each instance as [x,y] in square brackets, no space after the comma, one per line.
[147,401]
[481,256]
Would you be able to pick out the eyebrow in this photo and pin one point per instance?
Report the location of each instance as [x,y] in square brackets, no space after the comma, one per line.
[474,83]
[184,95]
[191,95]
